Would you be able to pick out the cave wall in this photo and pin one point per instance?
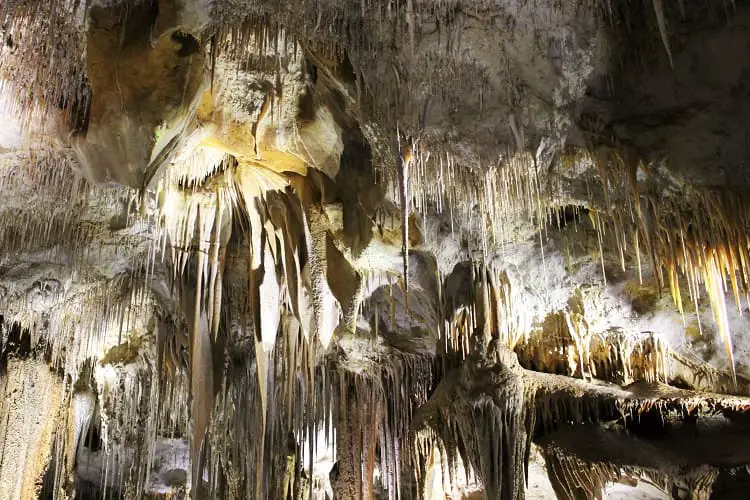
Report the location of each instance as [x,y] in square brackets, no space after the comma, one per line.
[230,228]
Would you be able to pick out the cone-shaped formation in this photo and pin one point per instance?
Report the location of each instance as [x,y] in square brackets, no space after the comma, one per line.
[294,249]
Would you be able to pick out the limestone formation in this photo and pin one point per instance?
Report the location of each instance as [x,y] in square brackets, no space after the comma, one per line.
[364,249]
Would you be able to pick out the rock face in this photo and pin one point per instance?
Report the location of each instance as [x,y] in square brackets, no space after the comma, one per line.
[32,404]
[375,249]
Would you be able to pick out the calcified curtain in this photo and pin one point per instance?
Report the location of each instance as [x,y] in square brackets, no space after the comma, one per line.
[217,314]
[296,249]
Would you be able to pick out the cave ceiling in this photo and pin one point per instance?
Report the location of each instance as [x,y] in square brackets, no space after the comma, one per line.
[374,249]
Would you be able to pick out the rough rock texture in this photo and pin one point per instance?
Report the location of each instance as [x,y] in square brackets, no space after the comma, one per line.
[31,407]
[373,249]
[688,110]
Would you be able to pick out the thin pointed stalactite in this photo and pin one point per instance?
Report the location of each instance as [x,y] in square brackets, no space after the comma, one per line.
[41,60]
[661,21]
[404,159]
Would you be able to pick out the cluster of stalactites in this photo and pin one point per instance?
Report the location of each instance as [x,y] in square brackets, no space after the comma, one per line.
[308,398]
[493,310]
[572,477]
[565,344]
[630,358]
[488,201]
[122,402]
[492,199]
[703,236]
[718,262]
[45,203]
[286,299]
[562,343]
[481,420]
[128,406]
[76,326]
[41,58]
[355,27]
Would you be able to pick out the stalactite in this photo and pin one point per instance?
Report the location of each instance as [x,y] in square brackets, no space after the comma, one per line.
[130,420]
[695,237]
[489,429]
[659,11]
[61,197]
[269,362]
[42,62]
[573,478]
[405,155]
